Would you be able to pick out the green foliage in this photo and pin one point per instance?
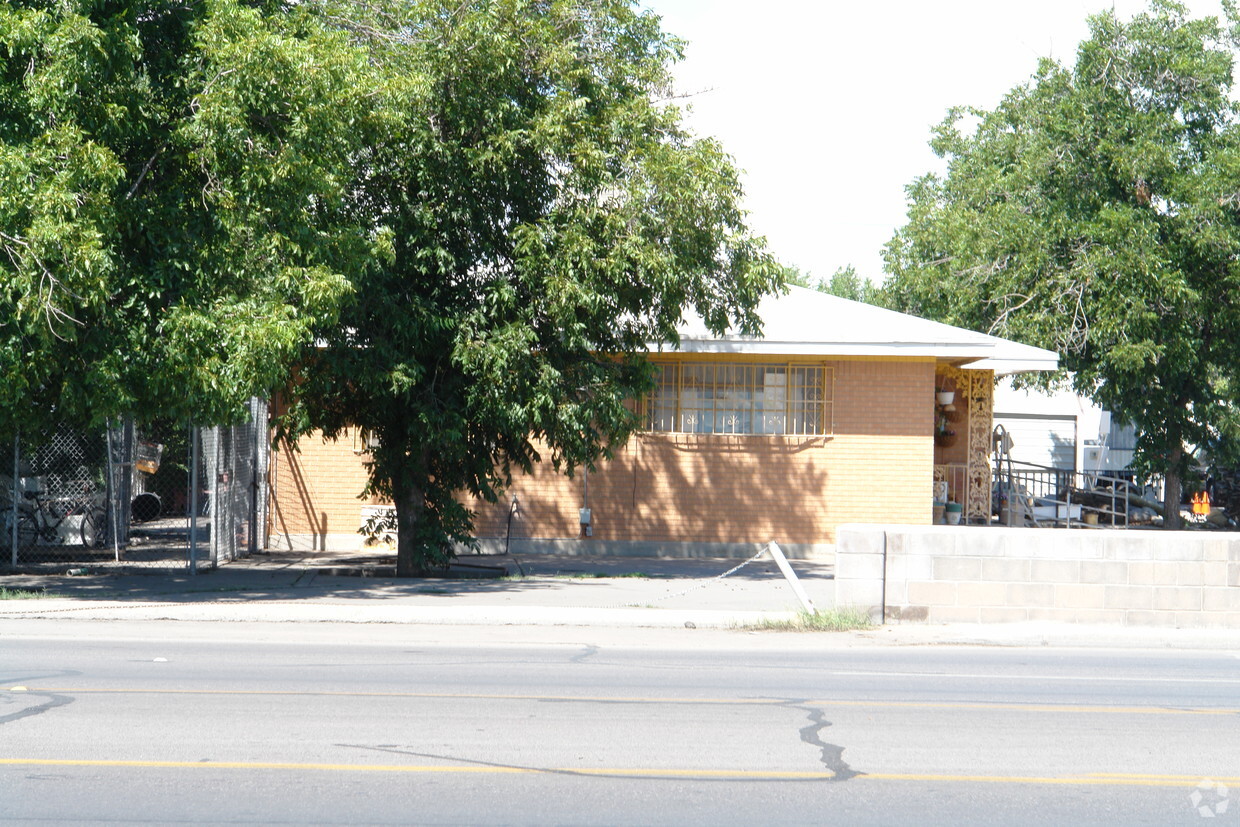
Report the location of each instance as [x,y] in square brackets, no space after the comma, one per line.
[462,220]
[25,594]
[169,175]
[1096,212]
[844,619]
[844,282]
[801,278]
[539,216]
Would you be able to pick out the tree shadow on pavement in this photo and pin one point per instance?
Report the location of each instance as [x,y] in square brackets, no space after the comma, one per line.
[296,576]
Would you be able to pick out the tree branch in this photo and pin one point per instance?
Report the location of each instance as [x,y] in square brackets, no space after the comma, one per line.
[142,175]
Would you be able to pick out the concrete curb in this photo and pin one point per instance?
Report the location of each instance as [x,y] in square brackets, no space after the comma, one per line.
[353,613]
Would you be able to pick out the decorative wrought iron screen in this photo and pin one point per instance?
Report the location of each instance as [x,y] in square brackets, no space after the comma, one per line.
[741,398]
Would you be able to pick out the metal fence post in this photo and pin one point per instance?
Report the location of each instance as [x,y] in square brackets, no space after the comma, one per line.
[254,475]
[124,482]
[110,491]
[193,501]
[13,504]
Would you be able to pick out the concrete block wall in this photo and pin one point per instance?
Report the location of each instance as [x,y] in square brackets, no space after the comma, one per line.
[944,574]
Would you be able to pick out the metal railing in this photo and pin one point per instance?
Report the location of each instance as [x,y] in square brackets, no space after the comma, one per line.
[1028,494]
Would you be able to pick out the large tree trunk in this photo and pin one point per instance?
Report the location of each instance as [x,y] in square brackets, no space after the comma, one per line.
[409,502]
[409,498]
[1172,489]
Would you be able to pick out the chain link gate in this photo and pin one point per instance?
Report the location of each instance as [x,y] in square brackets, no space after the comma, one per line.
[232,479]
[153,495]
[56,495]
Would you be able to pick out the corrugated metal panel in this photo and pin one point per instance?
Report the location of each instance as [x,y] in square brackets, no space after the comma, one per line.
[1041,440]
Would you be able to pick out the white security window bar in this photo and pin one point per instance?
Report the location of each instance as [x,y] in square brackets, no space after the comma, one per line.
[741,398]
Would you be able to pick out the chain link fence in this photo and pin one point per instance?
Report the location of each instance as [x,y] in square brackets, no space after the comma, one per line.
[150,495]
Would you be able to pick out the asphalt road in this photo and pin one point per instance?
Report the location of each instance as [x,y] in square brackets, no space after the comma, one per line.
[378,726]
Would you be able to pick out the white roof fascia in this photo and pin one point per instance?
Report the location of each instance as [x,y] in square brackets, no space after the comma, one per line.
[768,346]
[1007,367]
[1012,357]
[810,323]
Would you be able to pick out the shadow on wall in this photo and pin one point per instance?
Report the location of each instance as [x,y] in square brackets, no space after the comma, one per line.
[724,490]
[677,487]
[303,519]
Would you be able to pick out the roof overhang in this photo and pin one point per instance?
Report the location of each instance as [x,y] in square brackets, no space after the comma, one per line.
[805,322]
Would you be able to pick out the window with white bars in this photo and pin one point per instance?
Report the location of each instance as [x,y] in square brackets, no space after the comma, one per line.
[741,398]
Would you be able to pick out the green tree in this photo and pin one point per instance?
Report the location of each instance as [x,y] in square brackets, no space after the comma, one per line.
[800,278]
[844,282]
[171,179]
[847,284]
[1096,211]
[542,217]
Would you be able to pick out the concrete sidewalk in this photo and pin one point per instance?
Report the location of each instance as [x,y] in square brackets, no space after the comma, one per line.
[537,590]
[604,593]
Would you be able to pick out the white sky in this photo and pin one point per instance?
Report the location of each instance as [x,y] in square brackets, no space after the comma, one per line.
[827,106]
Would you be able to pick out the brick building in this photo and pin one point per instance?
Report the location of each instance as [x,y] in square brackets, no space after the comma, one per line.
[830,417]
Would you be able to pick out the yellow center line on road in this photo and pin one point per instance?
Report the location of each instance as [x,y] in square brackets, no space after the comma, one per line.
[1089,779]
[1096,779]
[621,699]
[1018,707]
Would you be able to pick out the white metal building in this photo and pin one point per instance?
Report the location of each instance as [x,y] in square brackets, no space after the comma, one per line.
[1061,430]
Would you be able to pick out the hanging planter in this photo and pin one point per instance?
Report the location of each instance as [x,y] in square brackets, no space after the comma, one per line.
[944,436]
[945,397]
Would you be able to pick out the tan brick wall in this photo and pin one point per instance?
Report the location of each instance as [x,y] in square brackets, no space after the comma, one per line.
[315,490]
[874,467]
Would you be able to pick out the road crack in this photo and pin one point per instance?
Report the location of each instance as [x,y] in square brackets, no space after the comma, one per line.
[590,651]
[51,701]
[831,755]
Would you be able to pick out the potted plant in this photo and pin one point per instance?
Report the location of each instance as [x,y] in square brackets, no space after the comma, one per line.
[944,436]
[952,512]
